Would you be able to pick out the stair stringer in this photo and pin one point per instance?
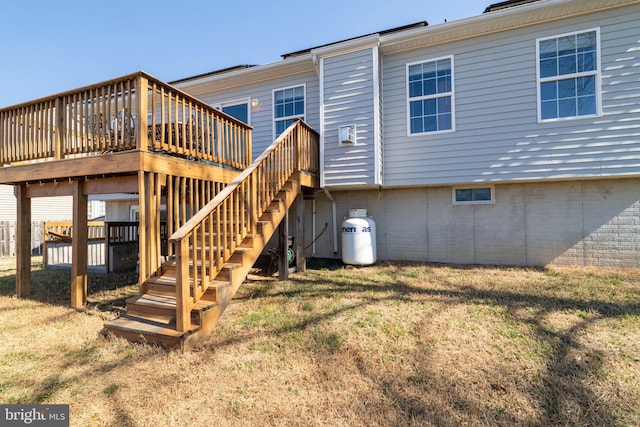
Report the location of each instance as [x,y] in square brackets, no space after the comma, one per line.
[248,252]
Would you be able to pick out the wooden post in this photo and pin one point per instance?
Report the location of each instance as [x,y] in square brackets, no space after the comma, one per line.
[182,286]
[283,245]
[107,247]
[143,247]
[23,241]
[58,151]
[142,99]
[79,242]
[248,143]
[45,260]
[152,222]
[301,262]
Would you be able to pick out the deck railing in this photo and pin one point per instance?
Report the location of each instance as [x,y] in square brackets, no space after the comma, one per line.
[233,213]
[61,231]
[112,116]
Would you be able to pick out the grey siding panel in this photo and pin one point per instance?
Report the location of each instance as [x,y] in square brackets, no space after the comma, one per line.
[497,135]
[42,209]
[349,99]
[52,208]
[7,203]
[262,115]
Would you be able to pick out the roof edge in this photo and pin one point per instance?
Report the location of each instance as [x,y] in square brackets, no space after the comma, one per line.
[418,24]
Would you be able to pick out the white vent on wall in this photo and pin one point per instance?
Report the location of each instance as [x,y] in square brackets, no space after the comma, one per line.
[347,134]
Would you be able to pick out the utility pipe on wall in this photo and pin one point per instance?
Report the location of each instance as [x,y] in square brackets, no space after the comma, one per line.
[335,222]
[313,227]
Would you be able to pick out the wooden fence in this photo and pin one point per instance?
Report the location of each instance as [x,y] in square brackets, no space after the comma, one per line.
[8,238]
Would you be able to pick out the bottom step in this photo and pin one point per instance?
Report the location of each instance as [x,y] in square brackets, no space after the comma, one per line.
[141,330]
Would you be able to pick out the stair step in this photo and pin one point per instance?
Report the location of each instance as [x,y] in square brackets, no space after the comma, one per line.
[154,300]
[166,287]
[227,271]
[145,331]
[136,324]
[163,285]
[154,307]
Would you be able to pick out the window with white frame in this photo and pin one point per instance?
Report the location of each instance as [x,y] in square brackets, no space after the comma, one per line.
[473,195]
[569,75]
[430,96]
[288,105]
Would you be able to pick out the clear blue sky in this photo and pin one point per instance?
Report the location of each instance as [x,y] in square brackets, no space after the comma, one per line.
[52,46]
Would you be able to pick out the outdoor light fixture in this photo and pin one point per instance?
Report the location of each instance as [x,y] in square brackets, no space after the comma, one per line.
[255,102]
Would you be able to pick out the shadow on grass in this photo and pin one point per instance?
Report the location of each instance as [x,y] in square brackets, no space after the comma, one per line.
[563,394]
[53,286]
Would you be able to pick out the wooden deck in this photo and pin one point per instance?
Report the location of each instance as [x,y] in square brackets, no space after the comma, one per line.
[141,136]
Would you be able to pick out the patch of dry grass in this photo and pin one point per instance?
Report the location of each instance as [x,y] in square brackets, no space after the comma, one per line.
[392,344]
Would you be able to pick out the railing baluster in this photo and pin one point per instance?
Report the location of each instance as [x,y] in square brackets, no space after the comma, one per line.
[232,213]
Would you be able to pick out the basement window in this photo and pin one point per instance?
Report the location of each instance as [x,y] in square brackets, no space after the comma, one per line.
[473,195]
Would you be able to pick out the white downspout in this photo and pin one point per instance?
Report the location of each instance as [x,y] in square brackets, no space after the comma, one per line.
[313,227]
[334,216]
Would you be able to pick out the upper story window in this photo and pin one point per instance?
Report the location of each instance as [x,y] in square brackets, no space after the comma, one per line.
[430,96]
[288,105]
[569,75]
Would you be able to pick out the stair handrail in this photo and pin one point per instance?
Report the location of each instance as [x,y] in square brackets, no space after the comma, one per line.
[232,214]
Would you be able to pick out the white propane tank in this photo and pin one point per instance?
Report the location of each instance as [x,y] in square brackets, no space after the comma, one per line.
[358,238]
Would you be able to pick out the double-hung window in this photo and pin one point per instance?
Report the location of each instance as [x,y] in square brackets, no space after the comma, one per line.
[569,75]
[288,105]
[430,96]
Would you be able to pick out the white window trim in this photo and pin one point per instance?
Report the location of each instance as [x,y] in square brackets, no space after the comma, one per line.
[135,209]
[597,74]
[247,101]
[298,116]
[453,97]
[474,202]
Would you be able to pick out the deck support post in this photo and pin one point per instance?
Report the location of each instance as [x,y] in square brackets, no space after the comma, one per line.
[283,245]
[301,262]
[23,241]
[182,286]
[79,246]
[152,222]
[143,247]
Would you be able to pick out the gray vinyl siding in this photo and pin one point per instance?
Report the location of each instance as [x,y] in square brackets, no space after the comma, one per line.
[349,99]
[498,137]
[42,209]
[262,115]
[7,203]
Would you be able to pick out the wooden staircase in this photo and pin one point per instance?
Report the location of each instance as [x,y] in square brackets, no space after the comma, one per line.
[181,303]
